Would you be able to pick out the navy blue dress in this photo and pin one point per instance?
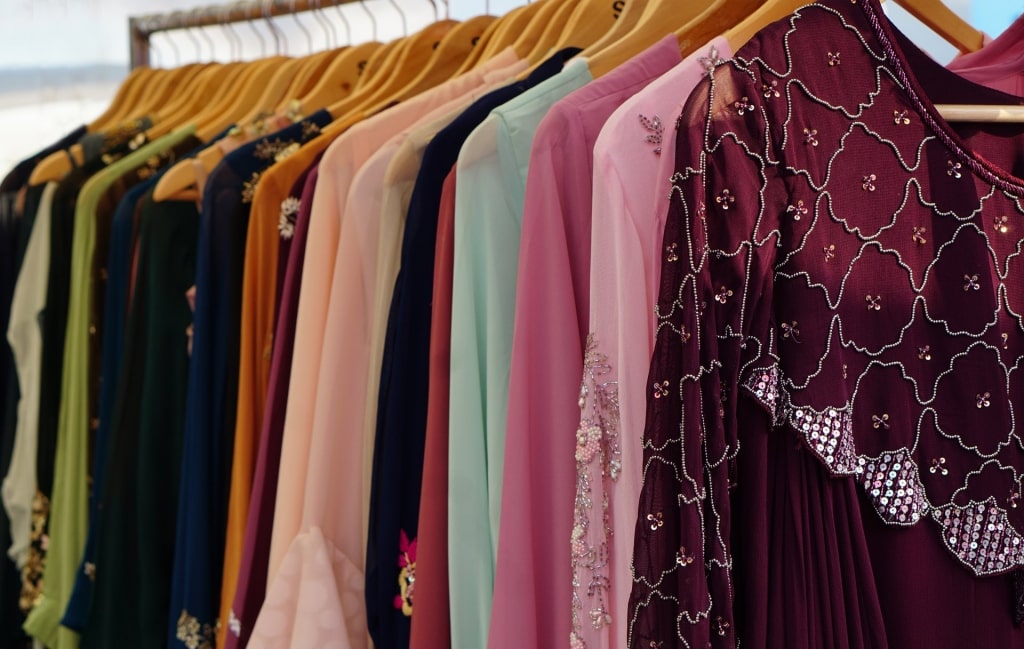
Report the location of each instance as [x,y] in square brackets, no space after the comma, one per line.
[402,401]
[213,384]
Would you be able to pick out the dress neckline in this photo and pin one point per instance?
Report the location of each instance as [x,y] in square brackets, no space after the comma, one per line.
[898,62]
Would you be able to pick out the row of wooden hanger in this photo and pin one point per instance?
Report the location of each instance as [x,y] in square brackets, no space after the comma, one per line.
[356,81]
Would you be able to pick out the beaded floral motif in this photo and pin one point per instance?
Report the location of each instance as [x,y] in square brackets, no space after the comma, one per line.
[598,463]
[194,634]
[981,537]
[249,186]
[406,574]
[893,483]
[32,572]
[712,60]
[268,149]
[286,220]
[657,130]
[309,130]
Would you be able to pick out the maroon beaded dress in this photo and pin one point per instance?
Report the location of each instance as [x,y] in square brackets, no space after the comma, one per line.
[831,455]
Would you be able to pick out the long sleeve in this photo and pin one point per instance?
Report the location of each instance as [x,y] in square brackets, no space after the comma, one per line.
[719,244]
[25,336]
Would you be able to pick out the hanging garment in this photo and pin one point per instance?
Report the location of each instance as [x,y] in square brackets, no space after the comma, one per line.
[538,518]
[100,150]
[490,180]
[301,511]
[432,626]
[139,501]
[24,335]
[634,157]
[213,380]
[252,576]
[69,504]
[998,65]
[254,348]
[829,458]
[438,157]
[19,205]
[403,319]
[123,239]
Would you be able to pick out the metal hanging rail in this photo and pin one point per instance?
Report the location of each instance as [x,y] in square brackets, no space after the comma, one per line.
[141,28]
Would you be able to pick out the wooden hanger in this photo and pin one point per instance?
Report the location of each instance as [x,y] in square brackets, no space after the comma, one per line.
[276,88]
[589,21]
[106,120]
[379,60]
[409,65]
[177,182]
[449,53]
[769,12]
[549,21]
[397,71]
[209,87]
[246,93]
[339,79]
[57,165]
[513,29]
[159,92]
[663,17]
[944,22]
[309,75]
[478,47]
[134,98]
[628,19]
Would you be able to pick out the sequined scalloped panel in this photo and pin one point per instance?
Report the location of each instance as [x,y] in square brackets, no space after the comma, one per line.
[841,258]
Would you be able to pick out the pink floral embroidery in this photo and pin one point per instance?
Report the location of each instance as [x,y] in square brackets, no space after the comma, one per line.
[407,576]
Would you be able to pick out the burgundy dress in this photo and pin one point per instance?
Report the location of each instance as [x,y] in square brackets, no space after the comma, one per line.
[831,456]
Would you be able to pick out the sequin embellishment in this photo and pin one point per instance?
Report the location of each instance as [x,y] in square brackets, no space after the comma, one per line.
[981,537]
[829,434]
[893,484]
[797,210]
[286,219]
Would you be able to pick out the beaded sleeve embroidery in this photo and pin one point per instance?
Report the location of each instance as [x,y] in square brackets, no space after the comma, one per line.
[841,260]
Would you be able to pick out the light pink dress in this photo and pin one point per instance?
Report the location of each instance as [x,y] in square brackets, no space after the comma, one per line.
[315,596]
[633,161]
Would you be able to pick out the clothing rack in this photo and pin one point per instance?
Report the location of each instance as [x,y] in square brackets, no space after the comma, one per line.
[142,28]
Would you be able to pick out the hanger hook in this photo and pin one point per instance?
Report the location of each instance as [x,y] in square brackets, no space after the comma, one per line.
[398,8]
[263,43]
[267,6]
[183,18]
[154,52]
[302,28]
[325,24]
[205,33]
[373,20]
[174,48]
[223,13]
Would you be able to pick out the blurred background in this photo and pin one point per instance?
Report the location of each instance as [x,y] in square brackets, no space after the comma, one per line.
[62,60]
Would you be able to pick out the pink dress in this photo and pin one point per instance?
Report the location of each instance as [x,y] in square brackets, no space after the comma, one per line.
[633,162]
[316,597]
[1000,64]
[532,583]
